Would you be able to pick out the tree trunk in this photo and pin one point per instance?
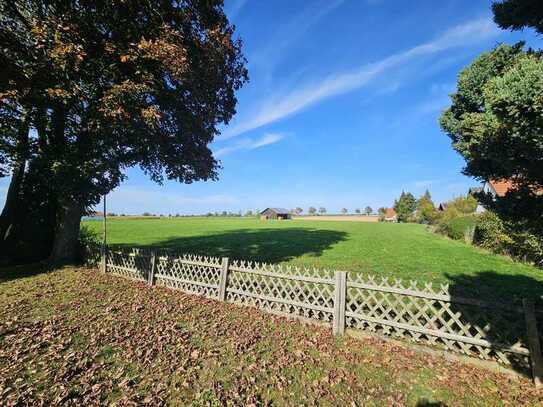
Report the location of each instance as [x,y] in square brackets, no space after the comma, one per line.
[65,245]
[8,216]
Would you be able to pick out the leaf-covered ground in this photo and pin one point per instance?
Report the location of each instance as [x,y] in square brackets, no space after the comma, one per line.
[74,336]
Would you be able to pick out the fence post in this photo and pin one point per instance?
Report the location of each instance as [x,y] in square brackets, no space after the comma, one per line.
[104,259]
[151,278]
[338,324]
[533,341]
[223,279]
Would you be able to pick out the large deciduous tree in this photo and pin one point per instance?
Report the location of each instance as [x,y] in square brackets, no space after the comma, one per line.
[496,123]
[518,14]
[90,88]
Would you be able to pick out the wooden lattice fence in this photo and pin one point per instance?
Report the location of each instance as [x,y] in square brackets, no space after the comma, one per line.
[290,290]
[431,315]
[423,313]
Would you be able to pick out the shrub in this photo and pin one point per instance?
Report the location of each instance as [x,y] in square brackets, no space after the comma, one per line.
[89,246]
[458,228]
[491,233]
[527,247]
[426,213]
[508,238]
[465,205]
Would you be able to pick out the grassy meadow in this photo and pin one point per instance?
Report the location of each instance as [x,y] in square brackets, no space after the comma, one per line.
[407,251]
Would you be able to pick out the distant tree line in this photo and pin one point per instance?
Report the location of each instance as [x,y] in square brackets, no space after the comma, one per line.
[423,210]
[322,211]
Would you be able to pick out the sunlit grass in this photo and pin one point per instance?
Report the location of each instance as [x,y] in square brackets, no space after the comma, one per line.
[407,251]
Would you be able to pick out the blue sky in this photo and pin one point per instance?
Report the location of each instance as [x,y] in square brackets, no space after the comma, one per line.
[341,108]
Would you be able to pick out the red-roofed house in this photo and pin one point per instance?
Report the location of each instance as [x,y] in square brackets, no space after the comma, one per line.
[390,215]
[498,188]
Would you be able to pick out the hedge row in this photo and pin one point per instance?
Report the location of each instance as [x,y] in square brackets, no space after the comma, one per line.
[488,231]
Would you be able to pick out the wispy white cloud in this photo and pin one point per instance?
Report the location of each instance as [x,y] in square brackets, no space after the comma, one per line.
[439,101]
[277,107]
[390,87]
[234,7]
[267,139]
[250,144]
[137,199]
[286,35]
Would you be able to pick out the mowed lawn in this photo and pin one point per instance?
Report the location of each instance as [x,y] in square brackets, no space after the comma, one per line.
[79,337]
[407,251]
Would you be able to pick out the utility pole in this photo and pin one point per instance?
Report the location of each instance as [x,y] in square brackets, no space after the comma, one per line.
[104,240]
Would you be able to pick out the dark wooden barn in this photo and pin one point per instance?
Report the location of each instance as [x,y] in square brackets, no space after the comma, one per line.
[275,213]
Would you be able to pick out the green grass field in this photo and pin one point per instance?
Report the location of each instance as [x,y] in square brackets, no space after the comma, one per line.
[408,251]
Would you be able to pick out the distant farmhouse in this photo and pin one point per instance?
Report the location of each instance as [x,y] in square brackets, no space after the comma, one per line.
[275,213]
[442,206]
[390,215]
[94,215]
[497,188]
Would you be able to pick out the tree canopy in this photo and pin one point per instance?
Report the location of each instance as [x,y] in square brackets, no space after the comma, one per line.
[426,211]
[496,123]
[91,88]
[405,206]
[518,14]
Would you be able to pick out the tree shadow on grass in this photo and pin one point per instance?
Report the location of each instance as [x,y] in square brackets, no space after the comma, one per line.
[500,318]
[262,245]
[8,273]
[426,403]
[496,324]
